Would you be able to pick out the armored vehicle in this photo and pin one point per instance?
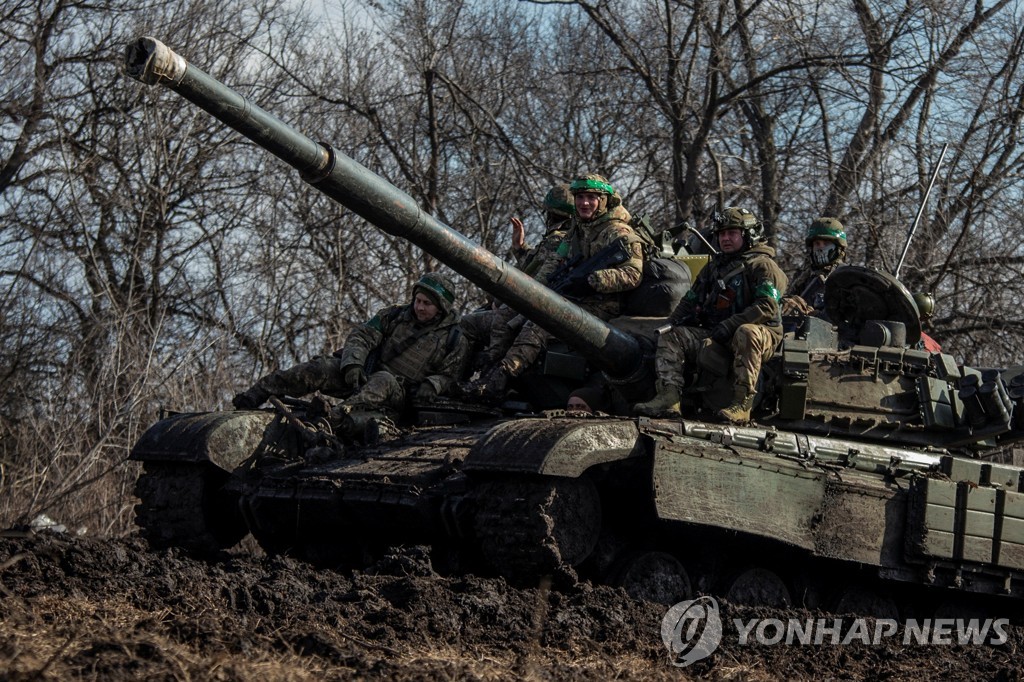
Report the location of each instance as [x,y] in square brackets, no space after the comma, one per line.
[863,477]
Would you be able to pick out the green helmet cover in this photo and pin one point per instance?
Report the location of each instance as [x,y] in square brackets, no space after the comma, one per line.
[591,183]
[559,200]
[828,229]
[438,287]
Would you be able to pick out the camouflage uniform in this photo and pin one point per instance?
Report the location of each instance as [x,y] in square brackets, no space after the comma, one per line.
[745,314]
[584,239]
[807,292]
[541,261]
[497,326]
[735,302]
[401,354]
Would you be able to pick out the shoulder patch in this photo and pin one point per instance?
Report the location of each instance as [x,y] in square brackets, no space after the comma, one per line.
[375,323]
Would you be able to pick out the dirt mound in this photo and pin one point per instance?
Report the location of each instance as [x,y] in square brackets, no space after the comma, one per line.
[111,609]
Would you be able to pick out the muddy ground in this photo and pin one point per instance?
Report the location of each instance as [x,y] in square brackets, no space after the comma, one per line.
[112,609]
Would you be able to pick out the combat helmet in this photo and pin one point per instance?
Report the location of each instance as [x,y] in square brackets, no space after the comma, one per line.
[559,202]
[832,231]
[591,182]
[438,288]
[598,184]
[736,218]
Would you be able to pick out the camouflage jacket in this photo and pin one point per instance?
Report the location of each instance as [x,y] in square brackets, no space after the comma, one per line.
[734,290]
[542,260]
[809,285]
[434,352]
[587,238]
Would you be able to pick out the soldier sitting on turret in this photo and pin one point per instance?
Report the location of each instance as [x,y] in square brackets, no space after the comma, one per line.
[403,351]
[826,251]
[496,327]
[599,221]
[733,302]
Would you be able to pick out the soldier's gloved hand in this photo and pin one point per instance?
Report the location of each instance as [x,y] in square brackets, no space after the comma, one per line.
[578,286]
[355,377]
[425,391]
[794,305]
[721,334]
[247,400]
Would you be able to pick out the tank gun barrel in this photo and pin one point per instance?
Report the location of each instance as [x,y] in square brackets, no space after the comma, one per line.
[367,194]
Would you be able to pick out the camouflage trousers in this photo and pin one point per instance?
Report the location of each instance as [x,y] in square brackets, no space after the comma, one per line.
[493,330]
[383,390]
[531,339]
[751,345]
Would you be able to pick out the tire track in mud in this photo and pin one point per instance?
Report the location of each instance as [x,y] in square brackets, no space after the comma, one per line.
[113,609]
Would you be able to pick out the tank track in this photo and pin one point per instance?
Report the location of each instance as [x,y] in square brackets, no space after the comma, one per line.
[529,528]
[184,505]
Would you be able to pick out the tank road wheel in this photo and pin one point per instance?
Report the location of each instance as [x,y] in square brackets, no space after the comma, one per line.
[532,528]
[185,505]
[654,576]
[758,586]
[864,601]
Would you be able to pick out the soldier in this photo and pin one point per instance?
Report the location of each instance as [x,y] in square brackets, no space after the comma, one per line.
[826,251]
[542,260]
[403,350]
[496,326]
[589,399]
[734,302]
[600,221]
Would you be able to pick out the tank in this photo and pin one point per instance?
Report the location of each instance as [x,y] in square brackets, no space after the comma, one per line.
[871,479]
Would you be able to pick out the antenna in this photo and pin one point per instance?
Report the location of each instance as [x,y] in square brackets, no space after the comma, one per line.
[920,210]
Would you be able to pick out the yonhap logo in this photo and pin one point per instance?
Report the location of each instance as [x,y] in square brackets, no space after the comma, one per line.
[692,630]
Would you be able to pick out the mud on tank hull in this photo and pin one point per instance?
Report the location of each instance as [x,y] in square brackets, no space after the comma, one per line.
[664,508]
[661,508]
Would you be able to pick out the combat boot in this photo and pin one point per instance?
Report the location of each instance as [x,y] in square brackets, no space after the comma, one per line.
[490,388]
[369,428]
[664,404]
[250,399]
[494,385]
[738,412]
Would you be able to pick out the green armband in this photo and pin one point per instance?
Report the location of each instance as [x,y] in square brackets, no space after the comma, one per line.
[767,290]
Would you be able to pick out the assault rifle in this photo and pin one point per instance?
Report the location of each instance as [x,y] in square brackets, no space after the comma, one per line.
[570,279]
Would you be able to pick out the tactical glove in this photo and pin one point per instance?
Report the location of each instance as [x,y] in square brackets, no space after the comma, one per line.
[578,287]
[721,334]
[425,391]
[795,305]
[250,400]
[355,377]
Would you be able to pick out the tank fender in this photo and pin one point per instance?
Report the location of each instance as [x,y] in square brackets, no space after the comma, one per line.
[555,447]
[224,439]
[713,485]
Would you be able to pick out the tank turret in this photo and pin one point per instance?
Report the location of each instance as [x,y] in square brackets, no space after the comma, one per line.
[859,487]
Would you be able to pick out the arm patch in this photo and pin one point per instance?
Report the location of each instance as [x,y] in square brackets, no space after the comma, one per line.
[767,290]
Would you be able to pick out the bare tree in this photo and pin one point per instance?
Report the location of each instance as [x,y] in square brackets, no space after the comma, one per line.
[150,256]
[119,235]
